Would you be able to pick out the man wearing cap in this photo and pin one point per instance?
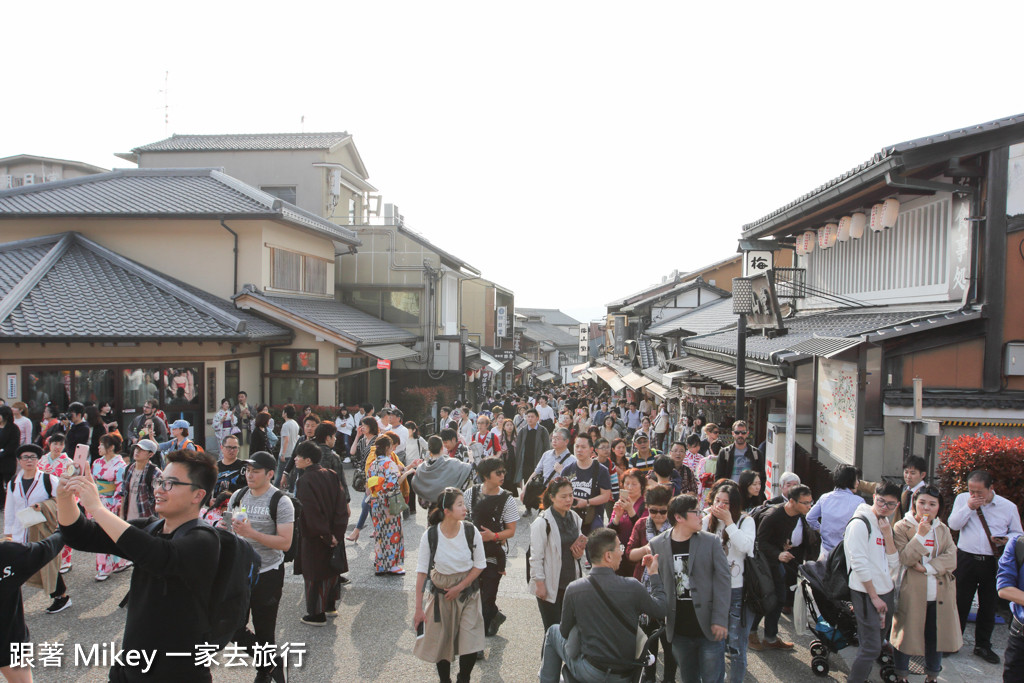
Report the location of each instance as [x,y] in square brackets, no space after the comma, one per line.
[139,499]
[269,539]
[643,457]
[179,438]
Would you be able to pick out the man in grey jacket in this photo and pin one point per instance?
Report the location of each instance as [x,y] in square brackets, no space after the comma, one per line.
[532,441]
[598,605]
[693,563]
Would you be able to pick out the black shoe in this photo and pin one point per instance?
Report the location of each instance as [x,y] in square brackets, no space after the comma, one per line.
[59,604]
[987,654]
[279,674]
[263,676]
[344,581]
[315,619]
[496,622]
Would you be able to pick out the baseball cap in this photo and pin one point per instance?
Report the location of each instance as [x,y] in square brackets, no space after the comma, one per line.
[180,424]
[640,437]
[147,445]
[261,460]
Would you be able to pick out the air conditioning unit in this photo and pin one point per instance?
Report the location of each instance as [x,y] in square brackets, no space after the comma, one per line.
[335,181]
[391,215]
[6,182]
[30,178]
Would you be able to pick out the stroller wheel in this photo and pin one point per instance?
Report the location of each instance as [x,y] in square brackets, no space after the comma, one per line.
[889,675]
[819,665]
[818,649]
[885,659]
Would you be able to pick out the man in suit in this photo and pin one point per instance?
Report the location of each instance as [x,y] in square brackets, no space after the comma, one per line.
[739,456]
[693,568]
[532,441]
[915,470]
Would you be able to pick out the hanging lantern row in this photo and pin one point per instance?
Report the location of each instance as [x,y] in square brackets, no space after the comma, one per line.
[883,217]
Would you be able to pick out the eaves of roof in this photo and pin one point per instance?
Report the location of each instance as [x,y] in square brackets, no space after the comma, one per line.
[444,255]
[909,154]
[696,283]
[88,168]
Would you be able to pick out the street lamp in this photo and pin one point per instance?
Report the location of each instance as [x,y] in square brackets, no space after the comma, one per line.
[742,305]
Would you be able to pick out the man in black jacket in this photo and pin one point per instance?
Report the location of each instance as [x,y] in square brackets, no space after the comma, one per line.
[18,562]
[172,581]
[739,456]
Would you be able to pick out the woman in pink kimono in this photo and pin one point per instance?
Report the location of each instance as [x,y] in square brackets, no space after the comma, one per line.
[108,471]
[56,462]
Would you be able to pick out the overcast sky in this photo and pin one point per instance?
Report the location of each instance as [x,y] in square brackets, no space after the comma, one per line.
[573,151]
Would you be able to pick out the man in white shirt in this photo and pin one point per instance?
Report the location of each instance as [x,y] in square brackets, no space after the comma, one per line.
[289,439]
[546,413]
[395,425]
[985,521]
[558,458]
[871,557]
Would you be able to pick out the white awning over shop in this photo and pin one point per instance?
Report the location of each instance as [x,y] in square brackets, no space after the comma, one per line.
[492,362]
[522,363]
[611,378]
[390,351]
[546,376]
[636,381]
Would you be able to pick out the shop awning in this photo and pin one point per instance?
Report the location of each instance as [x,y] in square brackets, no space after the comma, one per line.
[492,362]
[546,376]
[522,363]
[577,369]
[661,392]
[390,351]
[610,377]
[475,363]
[758,384]
[635,380]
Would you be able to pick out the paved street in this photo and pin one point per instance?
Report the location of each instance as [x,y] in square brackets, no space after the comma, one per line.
[372,638]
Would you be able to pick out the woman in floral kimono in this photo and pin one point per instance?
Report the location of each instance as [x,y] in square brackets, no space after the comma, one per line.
[108,471]
[389,549]
[56,462]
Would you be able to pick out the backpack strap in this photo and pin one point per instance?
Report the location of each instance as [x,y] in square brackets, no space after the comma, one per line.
[470,540]
[630,628]
[47,485]
[1018,550]
[432,542]
[275,501]
[236,498]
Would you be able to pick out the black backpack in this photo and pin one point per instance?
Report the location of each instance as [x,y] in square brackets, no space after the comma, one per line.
[275,501]
[837,573]
[761,511]
[238,570]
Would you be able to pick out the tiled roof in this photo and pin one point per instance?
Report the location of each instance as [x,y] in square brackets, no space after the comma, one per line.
[164,192]
[708,318]
[841,323]
[883,155]
[245,142]
[696,283]
[336,317]
[37,277]
[552,316]
[546,332]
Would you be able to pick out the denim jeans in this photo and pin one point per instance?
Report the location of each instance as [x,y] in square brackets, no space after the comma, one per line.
[364,513]
[740,621]
[579,668]
[700,660]
[932,658]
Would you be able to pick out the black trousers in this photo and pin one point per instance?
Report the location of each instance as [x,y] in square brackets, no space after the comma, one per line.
[489,580]
[550,614]
[977,573]
[263,605]
[1013,659]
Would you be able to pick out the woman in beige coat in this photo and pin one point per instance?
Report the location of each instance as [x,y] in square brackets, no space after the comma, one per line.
[926,621]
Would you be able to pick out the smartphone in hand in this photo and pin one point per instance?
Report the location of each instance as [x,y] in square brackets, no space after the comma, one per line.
[81,459]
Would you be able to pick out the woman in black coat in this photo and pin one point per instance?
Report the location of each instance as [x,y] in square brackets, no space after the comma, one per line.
[10,440]
[260,441]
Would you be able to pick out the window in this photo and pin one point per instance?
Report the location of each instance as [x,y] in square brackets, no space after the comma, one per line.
[231,380]
[282,192]
[296,272]
[398,306]
[351,389]
[295,390]
[290,360]
[1015,187]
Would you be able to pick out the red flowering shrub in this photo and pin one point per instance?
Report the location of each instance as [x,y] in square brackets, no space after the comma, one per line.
[1002,456]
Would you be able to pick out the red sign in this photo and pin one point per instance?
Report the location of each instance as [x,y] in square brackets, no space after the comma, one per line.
[383,365]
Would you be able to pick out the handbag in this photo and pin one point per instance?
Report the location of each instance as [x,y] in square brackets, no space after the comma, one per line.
[359,481]
[397,504]
[339,559]
[30,517]
[534,490]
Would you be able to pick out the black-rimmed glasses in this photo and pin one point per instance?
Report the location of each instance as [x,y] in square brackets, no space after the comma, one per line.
[168,484]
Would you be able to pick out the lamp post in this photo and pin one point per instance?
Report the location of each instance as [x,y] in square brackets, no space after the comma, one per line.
[742,305]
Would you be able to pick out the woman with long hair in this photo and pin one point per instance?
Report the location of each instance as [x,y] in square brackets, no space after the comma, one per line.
[365,437]
[507,442]
[260,441]
[620,454]
[926,620]
[556,546]
[452,619]
[628,510]
[751,494]
[389,549]
[735,530]
[108,471]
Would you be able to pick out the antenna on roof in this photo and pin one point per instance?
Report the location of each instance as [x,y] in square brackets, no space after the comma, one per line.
[167,106]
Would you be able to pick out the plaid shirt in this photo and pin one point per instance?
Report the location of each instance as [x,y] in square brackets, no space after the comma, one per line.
[145,499]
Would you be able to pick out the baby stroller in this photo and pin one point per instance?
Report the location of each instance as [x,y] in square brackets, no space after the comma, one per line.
[645,674]
[834,622]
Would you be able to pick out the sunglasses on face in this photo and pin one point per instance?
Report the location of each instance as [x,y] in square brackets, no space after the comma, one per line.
[658,511]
